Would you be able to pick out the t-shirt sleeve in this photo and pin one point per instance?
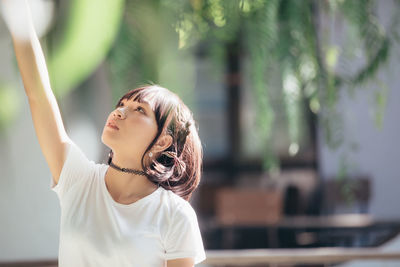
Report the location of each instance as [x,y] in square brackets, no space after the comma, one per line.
[183,239]
[76,167]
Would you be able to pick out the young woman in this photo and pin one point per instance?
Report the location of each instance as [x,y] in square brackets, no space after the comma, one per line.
[133,211]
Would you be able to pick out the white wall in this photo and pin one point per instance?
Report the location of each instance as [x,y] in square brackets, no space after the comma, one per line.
[379,150]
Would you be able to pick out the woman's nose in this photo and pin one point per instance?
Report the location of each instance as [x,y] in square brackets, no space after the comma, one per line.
[120,113]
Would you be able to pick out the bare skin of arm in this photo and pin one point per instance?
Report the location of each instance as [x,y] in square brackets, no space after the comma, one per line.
[184,262]
[45,112]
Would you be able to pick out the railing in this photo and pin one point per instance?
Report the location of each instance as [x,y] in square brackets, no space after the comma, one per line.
[44,263]
[272,257]
[324,256]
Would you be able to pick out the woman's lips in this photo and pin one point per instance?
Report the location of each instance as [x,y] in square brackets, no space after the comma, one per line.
[112,125]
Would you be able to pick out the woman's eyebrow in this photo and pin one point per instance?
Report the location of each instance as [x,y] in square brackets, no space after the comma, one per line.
[145,104]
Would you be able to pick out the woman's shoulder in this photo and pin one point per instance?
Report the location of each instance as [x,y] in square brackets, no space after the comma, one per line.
[172,198]
[175,203]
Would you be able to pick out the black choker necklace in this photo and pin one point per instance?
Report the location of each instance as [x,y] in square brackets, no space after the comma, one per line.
[127,170]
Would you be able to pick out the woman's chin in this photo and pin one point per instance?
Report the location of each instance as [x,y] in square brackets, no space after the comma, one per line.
[105,139]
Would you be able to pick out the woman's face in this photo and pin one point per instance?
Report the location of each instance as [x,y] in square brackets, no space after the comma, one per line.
[130,128]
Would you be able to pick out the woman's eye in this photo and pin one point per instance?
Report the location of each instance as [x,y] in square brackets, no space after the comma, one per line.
[140,109]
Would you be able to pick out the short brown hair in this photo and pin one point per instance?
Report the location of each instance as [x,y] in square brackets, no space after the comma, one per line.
[178,168]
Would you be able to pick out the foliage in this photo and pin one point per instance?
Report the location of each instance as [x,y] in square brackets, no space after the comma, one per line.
[10,103]
[86,37]
[297,37]
[147,50]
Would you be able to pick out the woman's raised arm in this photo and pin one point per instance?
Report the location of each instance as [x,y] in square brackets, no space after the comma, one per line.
[45,112]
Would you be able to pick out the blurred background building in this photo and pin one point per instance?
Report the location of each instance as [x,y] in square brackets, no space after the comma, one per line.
[296,103]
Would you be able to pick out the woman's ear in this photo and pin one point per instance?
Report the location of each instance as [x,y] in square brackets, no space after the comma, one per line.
[163,143]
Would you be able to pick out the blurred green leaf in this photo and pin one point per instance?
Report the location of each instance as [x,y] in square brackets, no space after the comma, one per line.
[89,32]
[10,105]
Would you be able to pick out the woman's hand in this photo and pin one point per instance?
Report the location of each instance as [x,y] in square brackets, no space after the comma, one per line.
[23,17]
[17,16]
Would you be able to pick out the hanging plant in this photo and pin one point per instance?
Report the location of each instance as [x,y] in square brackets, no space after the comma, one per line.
[292,36]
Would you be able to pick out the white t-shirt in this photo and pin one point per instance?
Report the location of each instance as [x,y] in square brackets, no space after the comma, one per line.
[97,231]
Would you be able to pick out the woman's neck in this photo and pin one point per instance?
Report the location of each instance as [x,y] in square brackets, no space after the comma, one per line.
[127,188]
